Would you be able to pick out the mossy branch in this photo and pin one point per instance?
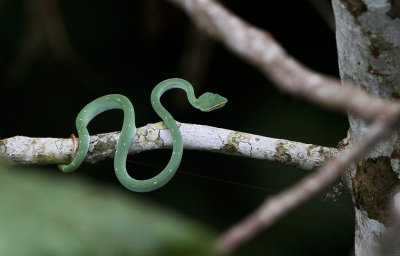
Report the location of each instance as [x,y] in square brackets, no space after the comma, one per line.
[44,151]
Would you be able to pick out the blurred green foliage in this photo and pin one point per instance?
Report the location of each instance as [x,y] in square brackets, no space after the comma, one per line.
[41,214]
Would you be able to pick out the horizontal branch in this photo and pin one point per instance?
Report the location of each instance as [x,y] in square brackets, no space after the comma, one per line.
[42,151]
[259,48]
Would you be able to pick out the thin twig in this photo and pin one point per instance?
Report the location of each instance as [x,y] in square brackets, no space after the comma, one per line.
[44,30]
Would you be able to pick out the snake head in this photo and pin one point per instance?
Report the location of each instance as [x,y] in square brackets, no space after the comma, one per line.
[210,101]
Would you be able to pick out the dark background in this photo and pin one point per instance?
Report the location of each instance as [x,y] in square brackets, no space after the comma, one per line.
[127,47]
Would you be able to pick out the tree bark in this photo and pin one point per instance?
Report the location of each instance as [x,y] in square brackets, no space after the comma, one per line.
[368,42]
[43,151]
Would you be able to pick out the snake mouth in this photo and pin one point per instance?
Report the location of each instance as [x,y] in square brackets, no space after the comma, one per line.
[219,105]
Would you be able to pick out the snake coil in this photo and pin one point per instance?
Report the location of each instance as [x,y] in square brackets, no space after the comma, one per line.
[206,102]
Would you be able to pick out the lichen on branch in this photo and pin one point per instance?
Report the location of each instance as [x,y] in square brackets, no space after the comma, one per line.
[43,151]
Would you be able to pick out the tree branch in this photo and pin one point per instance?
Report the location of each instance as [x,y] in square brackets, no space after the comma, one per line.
[277,206]
[42,151]
[259,48]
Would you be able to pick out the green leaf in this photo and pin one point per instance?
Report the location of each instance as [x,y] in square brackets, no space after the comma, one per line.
[52,214]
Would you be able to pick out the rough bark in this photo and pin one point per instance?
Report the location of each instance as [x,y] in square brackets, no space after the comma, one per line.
[42,151]
[368,42]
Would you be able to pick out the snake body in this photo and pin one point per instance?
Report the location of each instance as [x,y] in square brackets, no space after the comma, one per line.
[206,102]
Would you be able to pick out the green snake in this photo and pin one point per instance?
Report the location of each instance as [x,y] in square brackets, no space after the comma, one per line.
[206,102]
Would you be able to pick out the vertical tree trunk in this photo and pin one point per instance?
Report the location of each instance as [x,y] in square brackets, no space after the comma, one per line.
[368,42]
